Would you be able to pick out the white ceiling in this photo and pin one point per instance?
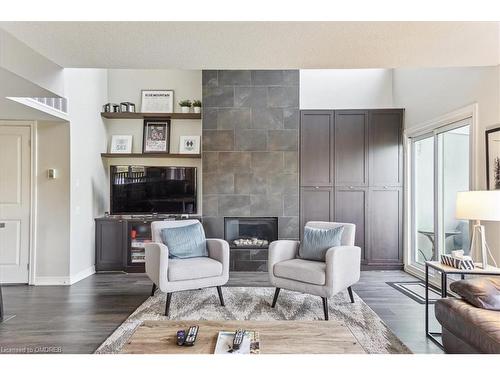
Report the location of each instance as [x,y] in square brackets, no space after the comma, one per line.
[265,45]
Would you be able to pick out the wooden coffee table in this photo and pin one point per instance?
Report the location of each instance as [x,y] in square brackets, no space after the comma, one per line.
[276,337]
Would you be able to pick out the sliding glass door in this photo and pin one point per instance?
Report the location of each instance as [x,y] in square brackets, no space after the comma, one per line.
[440,168]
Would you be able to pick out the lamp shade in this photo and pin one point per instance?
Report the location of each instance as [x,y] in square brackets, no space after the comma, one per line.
[478,205]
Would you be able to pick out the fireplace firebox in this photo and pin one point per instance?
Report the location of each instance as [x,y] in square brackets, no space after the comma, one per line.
[250,232]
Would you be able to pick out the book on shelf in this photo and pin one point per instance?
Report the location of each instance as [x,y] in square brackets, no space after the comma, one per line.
[250,344]
[139,243]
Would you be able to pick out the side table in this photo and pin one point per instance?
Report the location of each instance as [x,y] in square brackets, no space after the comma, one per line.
[445,270]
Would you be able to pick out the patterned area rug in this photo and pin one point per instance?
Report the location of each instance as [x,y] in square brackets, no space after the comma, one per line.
[255,304]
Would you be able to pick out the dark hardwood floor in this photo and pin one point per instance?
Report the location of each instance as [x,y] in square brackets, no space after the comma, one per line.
[77,318]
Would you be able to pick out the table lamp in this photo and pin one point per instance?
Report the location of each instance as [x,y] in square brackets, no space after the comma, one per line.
[477,206]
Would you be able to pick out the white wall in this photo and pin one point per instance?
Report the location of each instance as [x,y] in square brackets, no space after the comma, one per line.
[345,88]
[86,91]
[126,85]
[53,203]
[429,93]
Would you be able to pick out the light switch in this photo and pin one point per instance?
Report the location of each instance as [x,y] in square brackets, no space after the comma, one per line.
[51,174]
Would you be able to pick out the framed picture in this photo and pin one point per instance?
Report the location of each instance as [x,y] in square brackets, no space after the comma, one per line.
[493,158]
[157,101]
[156,136]
[190,144]
[121,144]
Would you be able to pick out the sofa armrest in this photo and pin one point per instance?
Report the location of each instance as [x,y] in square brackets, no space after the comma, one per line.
[343,266]
[281,250]
[157,262]
[219,250]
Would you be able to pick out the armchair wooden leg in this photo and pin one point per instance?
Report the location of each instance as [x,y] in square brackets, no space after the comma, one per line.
[153,290]
[221,297]
[276,294]
[349,289]
[325,307]
[167,305]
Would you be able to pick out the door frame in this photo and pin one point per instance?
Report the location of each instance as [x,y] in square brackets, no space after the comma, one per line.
[33,193]
[431,127]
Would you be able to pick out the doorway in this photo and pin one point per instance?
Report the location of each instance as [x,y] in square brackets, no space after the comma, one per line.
[15,203]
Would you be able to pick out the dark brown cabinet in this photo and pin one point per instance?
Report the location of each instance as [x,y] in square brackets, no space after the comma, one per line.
[109,244]
[351,167]
[316,168]
[351,148]
[316,203]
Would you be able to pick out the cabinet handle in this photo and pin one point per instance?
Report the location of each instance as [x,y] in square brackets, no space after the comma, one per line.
[2,225]
[386,187]
[316,187]
[351,187]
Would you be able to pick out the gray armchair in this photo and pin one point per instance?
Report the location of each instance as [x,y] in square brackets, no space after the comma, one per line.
[173,275]
[340,270]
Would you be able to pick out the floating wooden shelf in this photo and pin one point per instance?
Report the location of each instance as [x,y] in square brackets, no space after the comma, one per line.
[141,115]
[152,155]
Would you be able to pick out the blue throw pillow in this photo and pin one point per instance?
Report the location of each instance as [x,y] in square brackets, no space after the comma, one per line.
[317,241]
[185,242]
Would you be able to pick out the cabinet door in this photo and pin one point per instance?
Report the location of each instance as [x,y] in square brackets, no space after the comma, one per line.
[351,207]
[385,226]
[109,245]
[316,148]
[351,148]
[386,147]
[316,203]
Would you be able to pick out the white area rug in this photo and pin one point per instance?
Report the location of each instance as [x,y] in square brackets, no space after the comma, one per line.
[251,303]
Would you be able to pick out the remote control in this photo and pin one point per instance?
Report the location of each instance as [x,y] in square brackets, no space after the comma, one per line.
[238,339]
[191,336]
[181,337]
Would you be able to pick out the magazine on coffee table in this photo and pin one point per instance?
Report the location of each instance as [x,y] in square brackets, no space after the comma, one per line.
[250,344]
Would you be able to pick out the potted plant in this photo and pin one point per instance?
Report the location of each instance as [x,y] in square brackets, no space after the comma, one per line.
[185,105]
[197,106]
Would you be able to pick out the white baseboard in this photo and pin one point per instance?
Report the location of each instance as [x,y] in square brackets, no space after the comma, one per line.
[82,275]
[51,280]
[64,280]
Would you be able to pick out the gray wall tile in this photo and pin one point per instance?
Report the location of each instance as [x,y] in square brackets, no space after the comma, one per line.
[283,183]
[267,162]
[218,96]
[234,118]
[266,205]
[267,77]
[209,78]
[235,77]
[209,118]
[253,97]
[218,183]
[283,140]
[283,97]
[234,205]
[291,77]
[291,118]
[250,140]
[210,205]
[291,161]
[231,162]
[267,118]
[214,227]
[218,140]
[250,183]
[291,205]
[210,161]
[288,227]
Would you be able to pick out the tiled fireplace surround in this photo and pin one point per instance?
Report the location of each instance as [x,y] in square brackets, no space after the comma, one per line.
[250,153]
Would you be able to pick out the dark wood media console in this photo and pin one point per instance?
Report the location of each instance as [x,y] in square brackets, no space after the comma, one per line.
[120,241]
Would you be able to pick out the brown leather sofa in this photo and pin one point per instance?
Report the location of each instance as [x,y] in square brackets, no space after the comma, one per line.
[471,324]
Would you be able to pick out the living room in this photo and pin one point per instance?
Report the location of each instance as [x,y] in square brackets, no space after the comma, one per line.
[213,197]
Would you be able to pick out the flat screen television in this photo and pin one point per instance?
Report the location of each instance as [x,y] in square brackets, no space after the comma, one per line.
[147,190]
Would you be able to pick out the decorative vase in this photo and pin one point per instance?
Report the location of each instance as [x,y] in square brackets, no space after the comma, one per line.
[185,109]
[197,109]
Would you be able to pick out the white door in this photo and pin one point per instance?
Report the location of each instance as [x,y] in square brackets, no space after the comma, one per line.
[15,171]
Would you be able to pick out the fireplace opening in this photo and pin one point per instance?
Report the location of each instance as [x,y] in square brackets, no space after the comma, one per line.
[250,232]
